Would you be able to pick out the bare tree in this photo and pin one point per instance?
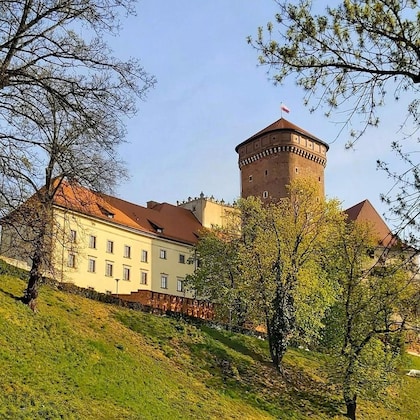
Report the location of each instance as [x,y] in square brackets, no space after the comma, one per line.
[63,101]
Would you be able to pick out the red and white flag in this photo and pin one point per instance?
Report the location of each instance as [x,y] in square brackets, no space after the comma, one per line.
[284,108]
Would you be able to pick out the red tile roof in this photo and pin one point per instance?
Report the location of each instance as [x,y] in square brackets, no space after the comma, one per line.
[282,125]
[364,211]
[85,201]
[162,220]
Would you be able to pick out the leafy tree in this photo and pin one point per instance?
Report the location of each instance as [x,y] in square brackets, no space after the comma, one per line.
[217,277]
[271,265]
[365,327]
[63,100]
[283,248]
[349,59]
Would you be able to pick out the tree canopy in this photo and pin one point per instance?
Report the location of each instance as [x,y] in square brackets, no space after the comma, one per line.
[350,59]
[270,271]
[364,328]
[59,81]
[64,98]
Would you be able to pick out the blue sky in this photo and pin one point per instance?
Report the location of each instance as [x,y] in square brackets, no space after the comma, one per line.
[211,95]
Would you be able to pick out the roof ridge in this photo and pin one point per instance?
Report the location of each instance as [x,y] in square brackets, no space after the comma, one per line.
[282,124]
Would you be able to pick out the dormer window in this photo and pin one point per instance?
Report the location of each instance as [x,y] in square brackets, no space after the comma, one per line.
[157,228]
[106,212]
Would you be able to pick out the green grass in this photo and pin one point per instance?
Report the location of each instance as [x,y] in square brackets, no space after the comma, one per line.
[80,359]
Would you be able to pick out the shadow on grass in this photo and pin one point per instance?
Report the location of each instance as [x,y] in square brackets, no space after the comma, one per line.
[317,402]
[11,295]
[234,345]
[291,395]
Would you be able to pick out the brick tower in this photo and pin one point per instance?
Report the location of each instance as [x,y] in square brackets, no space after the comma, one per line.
[272,158]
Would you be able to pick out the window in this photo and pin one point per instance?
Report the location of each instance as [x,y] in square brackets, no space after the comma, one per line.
[92,241]
[126,273]
[164,281]
[144,256]
[179,285]
[73,234]
[250,178]
[108,269]
[91,265]
[182,258]
[266,172]
[265,194]
[71,261]
[127,251]
[110,247]
[106,212]
[163,254]
[143,278]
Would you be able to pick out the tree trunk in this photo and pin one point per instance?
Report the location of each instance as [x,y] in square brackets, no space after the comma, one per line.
[282,325]
[351,408]
[35,276]
[348,394]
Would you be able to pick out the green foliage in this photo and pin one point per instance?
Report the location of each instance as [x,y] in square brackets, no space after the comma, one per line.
[361,331]
[350,60]
[217,276]
[269,262]
[283,253]
[317,292]
[372,371]
[350,52]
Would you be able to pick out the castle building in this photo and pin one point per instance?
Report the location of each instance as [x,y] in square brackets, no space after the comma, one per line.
[209,211]
[270,159]
[144,254]
[111,245]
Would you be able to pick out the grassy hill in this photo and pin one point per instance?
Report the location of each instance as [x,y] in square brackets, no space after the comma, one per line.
[80,359]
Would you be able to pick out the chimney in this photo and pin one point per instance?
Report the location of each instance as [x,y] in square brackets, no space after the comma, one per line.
[152,204]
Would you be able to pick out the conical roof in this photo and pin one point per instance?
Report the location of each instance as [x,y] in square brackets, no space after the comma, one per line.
[282,125]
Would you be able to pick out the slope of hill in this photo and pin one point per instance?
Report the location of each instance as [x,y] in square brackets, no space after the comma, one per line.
[80,359]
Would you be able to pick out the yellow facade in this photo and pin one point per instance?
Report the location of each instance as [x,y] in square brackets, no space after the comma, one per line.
[208,211]
[111,258]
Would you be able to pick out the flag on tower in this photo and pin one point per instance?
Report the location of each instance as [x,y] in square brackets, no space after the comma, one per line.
[284,108]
